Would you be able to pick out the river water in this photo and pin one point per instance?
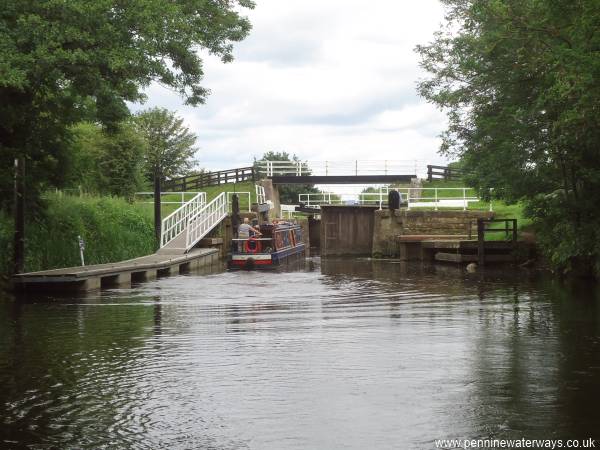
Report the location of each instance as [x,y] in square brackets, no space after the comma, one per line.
[336,354]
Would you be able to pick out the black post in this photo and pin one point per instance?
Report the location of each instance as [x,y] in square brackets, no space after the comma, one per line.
[480,242]
[19,242]
[157,214]
[429,173]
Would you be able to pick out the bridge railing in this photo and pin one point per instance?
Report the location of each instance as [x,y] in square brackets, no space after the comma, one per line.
[338,168]
[176,222]
[205,219]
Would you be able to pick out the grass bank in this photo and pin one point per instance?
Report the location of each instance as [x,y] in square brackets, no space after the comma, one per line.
[112,228]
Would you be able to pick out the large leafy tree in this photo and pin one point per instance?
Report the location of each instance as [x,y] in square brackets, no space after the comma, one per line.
[519,79]
[66,61]
[170,144]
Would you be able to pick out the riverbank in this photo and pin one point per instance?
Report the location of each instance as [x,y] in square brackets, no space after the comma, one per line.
[112,228]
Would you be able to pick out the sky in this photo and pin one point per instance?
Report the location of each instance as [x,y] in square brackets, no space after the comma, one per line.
[323,79]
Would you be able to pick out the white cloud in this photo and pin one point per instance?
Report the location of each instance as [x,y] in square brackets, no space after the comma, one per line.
[328,79]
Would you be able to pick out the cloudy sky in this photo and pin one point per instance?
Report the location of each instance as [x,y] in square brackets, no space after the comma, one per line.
[324,79]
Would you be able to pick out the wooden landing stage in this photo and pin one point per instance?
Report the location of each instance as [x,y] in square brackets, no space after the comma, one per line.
[459,249]
[86,278]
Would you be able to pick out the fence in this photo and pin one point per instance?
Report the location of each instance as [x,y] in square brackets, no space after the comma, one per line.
[210,179]
[509,229]
[434,198]
[445,173]
[338,168]
[179,196]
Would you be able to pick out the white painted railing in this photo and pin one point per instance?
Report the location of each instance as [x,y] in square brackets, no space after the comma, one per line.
[204,220]
[182,197]
[287,211]
[240,194]
[327,168]
[176,222]
[413,197]
[260,194]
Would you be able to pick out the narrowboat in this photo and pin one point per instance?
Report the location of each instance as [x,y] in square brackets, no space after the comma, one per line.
[278,243]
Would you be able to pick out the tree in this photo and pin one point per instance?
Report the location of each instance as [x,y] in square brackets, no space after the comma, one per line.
[519,81]
[170,150]
[62,62]
[288,194]
[105,162]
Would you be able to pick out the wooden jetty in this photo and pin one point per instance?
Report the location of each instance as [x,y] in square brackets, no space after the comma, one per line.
[123,273]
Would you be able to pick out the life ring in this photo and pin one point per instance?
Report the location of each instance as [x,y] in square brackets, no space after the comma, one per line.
[256,248]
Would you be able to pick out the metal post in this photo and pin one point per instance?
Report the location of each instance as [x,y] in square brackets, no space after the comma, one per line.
[157,213]
[464,199]
[326,168]
[385,165]
[491,191]
[436,199]
[356,167]
[480,242]
[19,236]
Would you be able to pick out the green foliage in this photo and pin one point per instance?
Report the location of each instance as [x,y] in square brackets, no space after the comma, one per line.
[519,80]
[63,62]
[170,145]
[112,228]
[288,194]
[103,162]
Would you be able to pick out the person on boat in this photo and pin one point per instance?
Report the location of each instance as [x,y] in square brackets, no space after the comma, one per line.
[245,230]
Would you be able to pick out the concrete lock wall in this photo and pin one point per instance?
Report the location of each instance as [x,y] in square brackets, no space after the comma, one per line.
[272,194]
[390,225]
[346,230]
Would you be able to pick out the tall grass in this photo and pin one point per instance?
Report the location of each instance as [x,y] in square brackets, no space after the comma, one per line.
[112,229]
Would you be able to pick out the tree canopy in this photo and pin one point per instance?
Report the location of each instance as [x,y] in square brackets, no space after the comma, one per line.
[519,80]
[170,145]
[63,62]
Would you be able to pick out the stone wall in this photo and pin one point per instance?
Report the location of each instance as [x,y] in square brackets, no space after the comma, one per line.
[389,225]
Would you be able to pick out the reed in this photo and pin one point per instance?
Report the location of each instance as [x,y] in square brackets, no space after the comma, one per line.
[112,228]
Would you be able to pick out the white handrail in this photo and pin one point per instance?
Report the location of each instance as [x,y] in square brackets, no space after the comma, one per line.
[151,194]
[414,198]
[354,167]
[204,220]
[260,194]
[175,223]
